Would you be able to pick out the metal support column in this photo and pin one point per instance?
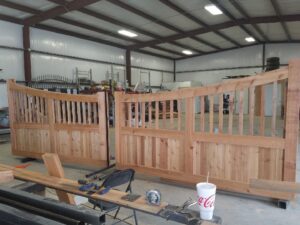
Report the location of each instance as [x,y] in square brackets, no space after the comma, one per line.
[263,56]
[174,70]
[128,66]
[27,57]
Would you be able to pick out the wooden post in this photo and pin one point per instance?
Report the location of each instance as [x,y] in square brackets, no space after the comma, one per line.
[189,129]
[12,114]
[292,121]
[103,123]
[119,122]
[51,121]
[55,169]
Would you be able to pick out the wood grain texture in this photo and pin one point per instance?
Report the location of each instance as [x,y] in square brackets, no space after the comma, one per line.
[234,155]
[55,169]
[292,121]
[43,121]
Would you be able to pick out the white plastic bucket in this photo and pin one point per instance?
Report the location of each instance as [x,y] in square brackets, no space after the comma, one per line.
[206,200]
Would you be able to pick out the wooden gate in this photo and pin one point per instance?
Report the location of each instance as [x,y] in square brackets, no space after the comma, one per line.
[73,126]
[174,136]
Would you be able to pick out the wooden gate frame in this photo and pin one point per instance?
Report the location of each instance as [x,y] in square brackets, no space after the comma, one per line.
[131,130]
[73,126]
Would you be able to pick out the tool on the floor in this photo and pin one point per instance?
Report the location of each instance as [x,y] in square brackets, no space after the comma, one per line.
[182,214]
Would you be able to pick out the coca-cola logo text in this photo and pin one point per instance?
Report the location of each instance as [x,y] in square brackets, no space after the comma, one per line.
[208,202]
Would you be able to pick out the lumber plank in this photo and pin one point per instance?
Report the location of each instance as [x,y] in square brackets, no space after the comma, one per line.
[54,167]
[292,121]
[71,186]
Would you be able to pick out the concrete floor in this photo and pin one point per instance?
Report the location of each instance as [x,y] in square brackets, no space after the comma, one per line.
[233,209]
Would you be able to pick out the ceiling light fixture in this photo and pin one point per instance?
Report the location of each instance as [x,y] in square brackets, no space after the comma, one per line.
[187,52]
[250,39]
[214,10]
[127,33]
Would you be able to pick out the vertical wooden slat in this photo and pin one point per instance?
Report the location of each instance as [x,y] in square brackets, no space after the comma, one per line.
[202,113]
[25,101]
[30,108]
[150,114]
[42,102]
[211,114]
[63,108]
[136,114]
[68,112]
[274,109]
[230,115]
[157,115]
[78,112]
[84,113]
[262,111]
[164,114]
[73,113]
[179,114]
[129,114]
[34,111]
[221,113]
[172,114]
[95,112]
[89,113]
[241,112]
[38,114]
[292,121]
[143,114]
[59,110]
[251,109]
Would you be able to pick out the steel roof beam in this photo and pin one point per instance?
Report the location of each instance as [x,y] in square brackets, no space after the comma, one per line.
[78,24]
[58,10]
[230,16]
[245,14]
[283,24]
[78,35]
[156,20]
[125,25]
[175,7]
[228,24]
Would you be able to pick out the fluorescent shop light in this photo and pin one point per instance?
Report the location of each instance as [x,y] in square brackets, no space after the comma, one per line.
[250,39]
[214,10]
[187,52]
[127,33]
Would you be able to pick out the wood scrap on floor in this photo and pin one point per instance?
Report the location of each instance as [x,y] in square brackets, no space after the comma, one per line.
[6,176]
[54,167]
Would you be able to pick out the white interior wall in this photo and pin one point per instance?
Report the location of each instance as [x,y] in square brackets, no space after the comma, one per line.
[52,43]
[11,61]
[245,57]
